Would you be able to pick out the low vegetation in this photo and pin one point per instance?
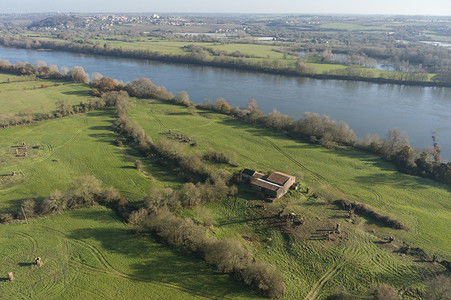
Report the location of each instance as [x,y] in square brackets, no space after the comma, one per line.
[182,196]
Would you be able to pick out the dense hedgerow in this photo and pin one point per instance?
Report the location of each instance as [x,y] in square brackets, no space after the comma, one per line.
[82,192]
[229,256]
[369,213]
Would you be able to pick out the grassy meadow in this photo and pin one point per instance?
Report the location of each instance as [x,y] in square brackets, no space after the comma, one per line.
[90,253]
[354,262]
[28,94]
[421,204]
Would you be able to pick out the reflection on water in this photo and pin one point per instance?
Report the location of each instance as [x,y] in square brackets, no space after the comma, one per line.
[366,107]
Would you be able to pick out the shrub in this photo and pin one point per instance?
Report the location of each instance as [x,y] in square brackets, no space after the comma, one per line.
[56,203]
[83,191]
[216,156]
[78,74]
[368,212]
[222,106]
[265,278]
[229,256]
[139,165]
[137,219]
[383,292]
[110,194]
[27,209]
[182,98]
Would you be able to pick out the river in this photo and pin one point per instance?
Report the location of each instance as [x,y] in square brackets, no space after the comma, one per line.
[366,107]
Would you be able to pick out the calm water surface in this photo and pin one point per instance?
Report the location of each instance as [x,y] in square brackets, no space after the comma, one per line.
[366,107]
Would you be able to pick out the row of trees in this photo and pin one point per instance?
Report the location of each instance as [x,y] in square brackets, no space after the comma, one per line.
[41,70]
[236,62]
[319,129]
[82,192]
[229,256]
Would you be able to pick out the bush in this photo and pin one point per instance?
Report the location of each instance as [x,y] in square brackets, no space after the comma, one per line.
[27,209]
[264,278]
[138,218]
[56,203]
[139,165]
[216,156]
[222,106]
[182,98]
[110,194]
[383,292]
[368,212]
[83,191]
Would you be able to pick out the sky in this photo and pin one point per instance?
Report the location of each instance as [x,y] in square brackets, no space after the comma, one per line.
[416,7]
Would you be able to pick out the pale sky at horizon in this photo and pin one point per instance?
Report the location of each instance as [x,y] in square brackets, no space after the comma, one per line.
[416,7]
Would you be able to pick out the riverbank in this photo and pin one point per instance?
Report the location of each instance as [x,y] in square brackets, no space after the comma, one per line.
[366,107]
[349,73]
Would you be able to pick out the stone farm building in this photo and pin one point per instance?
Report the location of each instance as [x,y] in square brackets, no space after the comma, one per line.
[274,185]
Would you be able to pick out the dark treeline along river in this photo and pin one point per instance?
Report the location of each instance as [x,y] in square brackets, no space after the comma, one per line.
[366,107]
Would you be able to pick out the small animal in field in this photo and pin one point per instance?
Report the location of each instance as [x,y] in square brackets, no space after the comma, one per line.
[10,276]
[38,261]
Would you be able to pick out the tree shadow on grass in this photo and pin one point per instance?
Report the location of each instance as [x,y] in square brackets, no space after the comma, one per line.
[159,263]
[85,93]
[13,205]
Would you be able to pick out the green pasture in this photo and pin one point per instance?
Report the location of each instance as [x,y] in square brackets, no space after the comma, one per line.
[422,204]
[90,254]
[26,94]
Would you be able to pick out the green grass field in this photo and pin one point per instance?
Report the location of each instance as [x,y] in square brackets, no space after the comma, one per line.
[263,54]
[358,175]
[25,94]
[355,262]
[89,253]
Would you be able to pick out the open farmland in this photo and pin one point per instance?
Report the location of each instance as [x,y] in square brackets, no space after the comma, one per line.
[27,94]
[353,174]
[90,253]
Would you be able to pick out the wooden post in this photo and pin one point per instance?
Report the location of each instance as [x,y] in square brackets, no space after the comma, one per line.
[24,215]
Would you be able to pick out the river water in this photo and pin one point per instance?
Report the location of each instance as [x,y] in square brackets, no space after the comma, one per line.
[366,107]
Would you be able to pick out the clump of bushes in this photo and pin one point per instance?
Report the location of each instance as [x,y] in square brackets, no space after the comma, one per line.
[144,88]
[217,157]
[369,213]
[383,292]
[83,191]
[229,256]
[189,195]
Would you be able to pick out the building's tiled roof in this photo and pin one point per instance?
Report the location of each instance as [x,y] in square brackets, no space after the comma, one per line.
[258,175]
[266,184]
[279,178]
